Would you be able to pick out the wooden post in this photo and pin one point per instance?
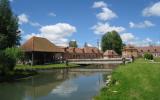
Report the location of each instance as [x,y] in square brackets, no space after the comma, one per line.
[32,58]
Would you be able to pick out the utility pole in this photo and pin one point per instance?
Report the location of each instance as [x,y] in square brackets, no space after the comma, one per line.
[98,43]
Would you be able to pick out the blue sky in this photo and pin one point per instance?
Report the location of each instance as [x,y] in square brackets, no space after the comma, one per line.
[60,21]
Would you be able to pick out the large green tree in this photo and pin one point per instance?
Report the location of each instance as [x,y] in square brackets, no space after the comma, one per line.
[112,41]
[73,44]
[9,35]
[9,38]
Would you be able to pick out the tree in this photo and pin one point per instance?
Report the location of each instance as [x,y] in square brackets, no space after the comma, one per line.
[73,44]
[9,35]
[112,41]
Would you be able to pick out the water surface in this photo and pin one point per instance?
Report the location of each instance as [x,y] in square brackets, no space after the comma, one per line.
[59,84]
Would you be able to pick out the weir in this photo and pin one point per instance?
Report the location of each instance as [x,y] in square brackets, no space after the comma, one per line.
[100,61]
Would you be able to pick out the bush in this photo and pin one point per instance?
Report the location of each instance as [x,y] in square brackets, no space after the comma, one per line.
[8,59]
[148,56]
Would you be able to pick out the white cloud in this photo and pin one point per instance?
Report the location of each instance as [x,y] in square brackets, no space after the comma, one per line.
[57,33]
[141,42]
[23,18]
[52,14]
[127,37]
[147,40]
[36,24]
[153,10]
[102,28]
[144,24]
[99,4]
[106,14]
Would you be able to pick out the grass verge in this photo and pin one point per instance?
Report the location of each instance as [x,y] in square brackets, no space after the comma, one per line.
[134,81]
[49,66]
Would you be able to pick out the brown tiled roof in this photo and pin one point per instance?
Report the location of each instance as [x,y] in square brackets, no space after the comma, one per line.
[129,47]
[149,49]
[96,50]
[70,50]
[88,50]
[92,50]
[40,45]
[110,53]
[79,50]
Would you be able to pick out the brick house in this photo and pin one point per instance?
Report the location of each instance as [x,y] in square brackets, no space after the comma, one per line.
[110,54]
[129,51]
[154,50]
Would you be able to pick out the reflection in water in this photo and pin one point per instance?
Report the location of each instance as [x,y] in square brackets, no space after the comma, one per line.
[65,88]
[55,85]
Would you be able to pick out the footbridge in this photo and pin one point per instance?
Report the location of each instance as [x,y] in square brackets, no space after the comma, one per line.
[100,61]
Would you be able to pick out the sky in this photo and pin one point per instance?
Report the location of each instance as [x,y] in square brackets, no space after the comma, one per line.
[137,21]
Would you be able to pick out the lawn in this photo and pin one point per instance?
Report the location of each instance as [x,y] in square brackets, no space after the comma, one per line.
[157,59]
[49,66]
[135,81]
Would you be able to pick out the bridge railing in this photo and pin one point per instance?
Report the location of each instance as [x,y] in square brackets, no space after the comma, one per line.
[119,60]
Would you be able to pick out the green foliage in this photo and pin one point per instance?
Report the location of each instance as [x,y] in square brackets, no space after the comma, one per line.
[112,41]
[8,59]
[148,56]
[9,36]
[15,53]
[73,44]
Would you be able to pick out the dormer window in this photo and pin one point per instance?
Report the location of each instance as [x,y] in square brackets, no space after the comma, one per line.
[148,50]
[141,50]
[155,50]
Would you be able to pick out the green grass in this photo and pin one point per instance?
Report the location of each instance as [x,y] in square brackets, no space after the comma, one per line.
[157,59]
[135,81]
[50,66]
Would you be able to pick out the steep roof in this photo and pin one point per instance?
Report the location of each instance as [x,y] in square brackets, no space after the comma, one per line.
[40,45]
[110,53]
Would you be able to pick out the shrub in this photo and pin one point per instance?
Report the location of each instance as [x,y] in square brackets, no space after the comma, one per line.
[148,56]
[8,59]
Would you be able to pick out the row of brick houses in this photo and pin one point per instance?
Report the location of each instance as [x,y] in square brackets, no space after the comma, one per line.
[129,51]
[41,51]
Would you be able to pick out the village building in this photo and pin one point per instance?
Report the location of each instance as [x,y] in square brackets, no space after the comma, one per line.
[110,54]
[40,51]
[129,51]
[154,50]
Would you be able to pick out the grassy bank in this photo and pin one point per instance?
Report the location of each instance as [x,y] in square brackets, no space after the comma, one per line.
[135,81]
[50,66]
[157,59]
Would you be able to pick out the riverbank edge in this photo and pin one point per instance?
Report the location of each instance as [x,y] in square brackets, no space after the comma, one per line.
[25,71]
[112,81]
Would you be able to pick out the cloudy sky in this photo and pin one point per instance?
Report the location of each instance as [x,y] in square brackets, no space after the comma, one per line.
[60,21]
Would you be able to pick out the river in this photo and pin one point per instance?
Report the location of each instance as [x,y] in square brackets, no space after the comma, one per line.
[58,84]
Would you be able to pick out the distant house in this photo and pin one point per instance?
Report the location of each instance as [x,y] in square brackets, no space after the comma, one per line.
[129,51]
[41,51]
[81,53]
[154,50]
[110,54]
